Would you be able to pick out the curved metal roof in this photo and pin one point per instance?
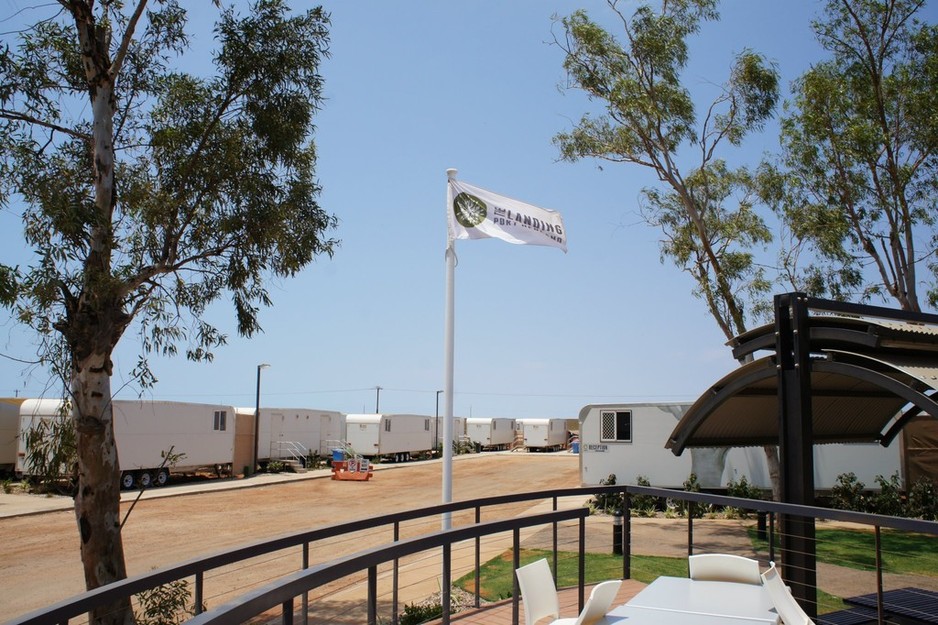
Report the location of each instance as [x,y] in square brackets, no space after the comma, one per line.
[864,372]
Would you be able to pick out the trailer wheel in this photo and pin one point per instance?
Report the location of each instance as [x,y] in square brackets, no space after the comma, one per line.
[127,480]
[162,477]
[144,479]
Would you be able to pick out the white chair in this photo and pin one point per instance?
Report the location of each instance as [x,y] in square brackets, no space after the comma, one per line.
[723,567]
[599,602]
[539,596]
[786,606]
[538,593]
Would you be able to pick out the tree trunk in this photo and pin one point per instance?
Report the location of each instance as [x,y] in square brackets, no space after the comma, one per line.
[97,504]
[94,323]
[775,471]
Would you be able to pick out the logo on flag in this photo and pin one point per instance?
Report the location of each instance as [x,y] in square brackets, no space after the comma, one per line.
[475,213]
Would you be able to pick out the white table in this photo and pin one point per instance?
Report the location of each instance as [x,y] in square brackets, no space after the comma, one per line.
[746,602]
[631,615]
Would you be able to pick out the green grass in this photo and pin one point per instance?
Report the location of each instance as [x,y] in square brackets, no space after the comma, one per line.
[497,575]
[903,552]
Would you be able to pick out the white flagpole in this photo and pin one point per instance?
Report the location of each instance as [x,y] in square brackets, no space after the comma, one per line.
[448,350]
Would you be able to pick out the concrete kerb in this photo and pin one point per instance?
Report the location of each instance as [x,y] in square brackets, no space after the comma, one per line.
[19,504]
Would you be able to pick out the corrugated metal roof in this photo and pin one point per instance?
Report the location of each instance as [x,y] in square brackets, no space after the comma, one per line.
[855,398]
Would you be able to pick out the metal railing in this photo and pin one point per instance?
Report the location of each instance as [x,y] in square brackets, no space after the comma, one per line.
[284,591]
[298,582]
[292,450]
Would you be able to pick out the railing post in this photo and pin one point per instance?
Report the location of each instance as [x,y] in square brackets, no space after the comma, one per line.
[627,539]
[372,595]
[771,536]
[554,524]
[478,580]
[305,619]
[394,577]
[690,528]
[286,612]
[445,599]
[879,575]
[581,564]
[515,563]
[199,583]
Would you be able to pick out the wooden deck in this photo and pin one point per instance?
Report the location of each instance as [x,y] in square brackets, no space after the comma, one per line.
[500,613]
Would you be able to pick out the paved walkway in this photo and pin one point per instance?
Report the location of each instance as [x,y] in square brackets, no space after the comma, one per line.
[19,504]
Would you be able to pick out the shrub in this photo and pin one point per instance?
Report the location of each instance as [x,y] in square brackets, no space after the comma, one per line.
[888,500]
[691,485]
[607,502]
[847,493]
[165,605]
[315,461]
[643,505]
[416,614]
[463,446]
[275,466]
[744,490]
[923,500]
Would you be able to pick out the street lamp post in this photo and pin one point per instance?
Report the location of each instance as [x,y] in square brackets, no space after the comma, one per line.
[257,414]
[377,397]
[436,424]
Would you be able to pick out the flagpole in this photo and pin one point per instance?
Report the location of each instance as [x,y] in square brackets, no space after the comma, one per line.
[448,351]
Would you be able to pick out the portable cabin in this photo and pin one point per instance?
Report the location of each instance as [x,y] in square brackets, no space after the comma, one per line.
[491,432]
[392,436]
[459,429]
[154,438]
[627,440]
[294,433]
[9,432]
[544,434]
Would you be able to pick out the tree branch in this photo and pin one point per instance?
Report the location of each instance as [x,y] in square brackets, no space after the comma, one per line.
[115,68]
[20,117]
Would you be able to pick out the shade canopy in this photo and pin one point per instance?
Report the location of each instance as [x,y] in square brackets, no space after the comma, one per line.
[869,376]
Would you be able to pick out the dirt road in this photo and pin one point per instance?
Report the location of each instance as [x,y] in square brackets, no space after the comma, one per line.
[40,563]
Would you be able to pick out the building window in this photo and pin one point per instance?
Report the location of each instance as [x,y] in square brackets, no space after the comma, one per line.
[616,426]
[426,425]
[221,418]
[387,425]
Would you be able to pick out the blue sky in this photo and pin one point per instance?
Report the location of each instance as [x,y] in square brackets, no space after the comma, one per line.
[414,88]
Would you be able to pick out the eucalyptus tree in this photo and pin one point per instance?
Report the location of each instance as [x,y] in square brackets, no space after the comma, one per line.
[149,192]
[704,208]
[858,182]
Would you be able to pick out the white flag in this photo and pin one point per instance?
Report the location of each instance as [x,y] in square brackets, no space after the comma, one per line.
[474,213]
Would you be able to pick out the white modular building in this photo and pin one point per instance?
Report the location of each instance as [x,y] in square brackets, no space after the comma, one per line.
[392,436]
[154,438]
[544,434]
[459,429]
[628,441]
[491,432]
[9,431]
[293,433]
